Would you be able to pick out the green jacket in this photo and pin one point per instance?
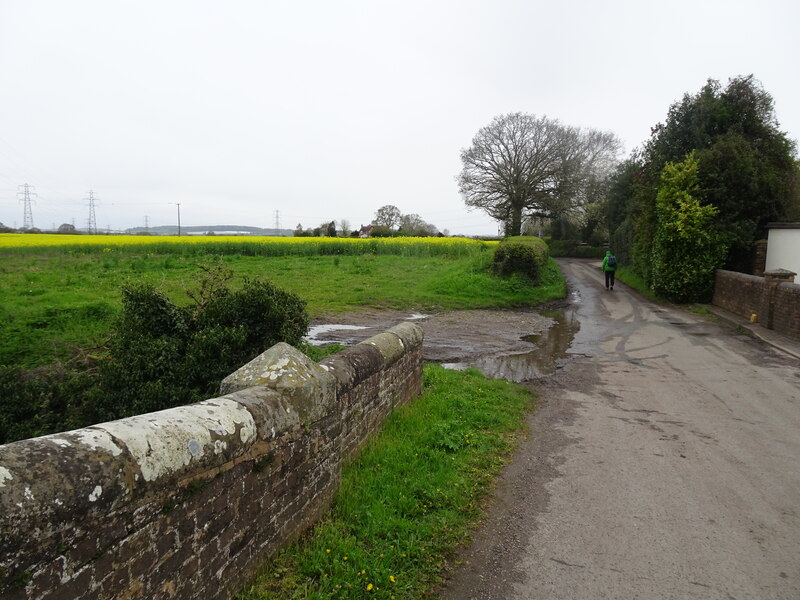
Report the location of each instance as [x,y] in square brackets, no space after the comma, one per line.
[605,266]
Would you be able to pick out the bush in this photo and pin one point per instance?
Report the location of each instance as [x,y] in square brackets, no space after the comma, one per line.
[686,249]
[163,355]
[159,355]
[524,255]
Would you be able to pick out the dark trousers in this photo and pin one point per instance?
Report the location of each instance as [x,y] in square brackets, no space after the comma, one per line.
[609,279]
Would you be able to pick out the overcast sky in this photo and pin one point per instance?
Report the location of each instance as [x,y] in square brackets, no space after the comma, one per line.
[327,110]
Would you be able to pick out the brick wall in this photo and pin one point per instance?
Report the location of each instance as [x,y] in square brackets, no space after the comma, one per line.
[786,315]
[739,293]
[188,502]
[776,306]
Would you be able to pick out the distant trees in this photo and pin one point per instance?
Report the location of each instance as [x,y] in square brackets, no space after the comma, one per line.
[327,229]
[523,166]
[746,170]
[388,216]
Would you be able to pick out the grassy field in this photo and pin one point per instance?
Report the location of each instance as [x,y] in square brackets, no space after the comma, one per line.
[55,299]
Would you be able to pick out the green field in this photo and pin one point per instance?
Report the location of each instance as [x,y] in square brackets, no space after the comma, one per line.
[408,500]
[59,300]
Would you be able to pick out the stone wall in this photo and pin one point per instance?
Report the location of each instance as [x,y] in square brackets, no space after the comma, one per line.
[188,502]
[774,298]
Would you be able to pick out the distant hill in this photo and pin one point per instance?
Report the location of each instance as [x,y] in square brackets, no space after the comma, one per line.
[206,229]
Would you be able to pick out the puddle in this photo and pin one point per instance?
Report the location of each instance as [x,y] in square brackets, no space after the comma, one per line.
[317,330]
[552,347]
[417,317]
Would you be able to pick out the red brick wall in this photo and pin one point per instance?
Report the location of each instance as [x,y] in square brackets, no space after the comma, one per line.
[786,316]
[195,509]
[739,293]
[747,294]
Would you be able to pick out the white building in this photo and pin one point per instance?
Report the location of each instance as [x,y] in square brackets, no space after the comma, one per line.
[783,247]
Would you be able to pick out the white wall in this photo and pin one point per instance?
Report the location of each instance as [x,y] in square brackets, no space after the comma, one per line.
[783,249]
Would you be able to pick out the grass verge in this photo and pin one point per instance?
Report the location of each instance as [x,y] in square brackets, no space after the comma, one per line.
[410,497]
[632,279]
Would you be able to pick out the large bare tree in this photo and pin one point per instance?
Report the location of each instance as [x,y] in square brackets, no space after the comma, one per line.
[388,216]
[522,166]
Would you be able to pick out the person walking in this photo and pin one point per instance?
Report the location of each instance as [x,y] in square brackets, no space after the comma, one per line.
[609,267]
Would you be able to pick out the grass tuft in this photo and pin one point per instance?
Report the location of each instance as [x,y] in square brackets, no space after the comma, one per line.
[409,499]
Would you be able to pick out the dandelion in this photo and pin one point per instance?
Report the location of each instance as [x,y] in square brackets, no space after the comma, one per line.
[369,587]
[345,558]
[328,550]
[392,578]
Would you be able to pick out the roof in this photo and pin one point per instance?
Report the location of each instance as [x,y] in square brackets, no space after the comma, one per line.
[783,225]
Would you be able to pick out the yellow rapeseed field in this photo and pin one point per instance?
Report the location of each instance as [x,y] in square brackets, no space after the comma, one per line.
[268,246]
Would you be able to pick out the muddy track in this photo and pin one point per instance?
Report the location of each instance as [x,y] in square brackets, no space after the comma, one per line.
[517,345]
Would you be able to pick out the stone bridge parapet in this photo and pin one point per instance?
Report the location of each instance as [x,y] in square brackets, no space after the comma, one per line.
[190,501]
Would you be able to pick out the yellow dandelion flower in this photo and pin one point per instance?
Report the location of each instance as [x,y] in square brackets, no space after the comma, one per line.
[369,587]
[392,578]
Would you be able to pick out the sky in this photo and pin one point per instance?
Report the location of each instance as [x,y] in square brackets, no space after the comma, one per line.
[250,112]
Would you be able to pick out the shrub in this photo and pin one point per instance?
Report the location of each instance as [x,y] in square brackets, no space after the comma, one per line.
[159,355]
[163,355]
[524,255]
[686,249]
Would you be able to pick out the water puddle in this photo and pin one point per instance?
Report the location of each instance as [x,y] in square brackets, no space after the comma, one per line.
[551,349]
[317,330]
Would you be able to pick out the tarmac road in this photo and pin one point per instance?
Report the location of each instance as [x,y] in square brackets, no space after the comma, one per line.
[663,462]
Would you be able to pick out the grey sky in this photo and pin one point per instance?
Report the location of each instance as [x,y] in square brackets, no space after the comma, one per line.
[327,110]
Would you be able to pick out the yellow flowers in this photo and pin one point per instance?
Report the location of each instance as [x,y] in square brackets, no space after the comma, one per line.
[392,578]
[369,587]
[261,246]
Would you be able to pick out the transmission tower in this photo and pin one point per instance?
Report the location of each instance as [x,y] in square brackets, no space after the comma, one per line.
[26,193]
[146,223]
[92,219]
[277,222]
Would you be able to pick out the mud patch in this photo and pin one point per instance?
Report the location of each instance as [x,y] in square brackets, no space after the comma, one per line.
[548,354]
[517,345]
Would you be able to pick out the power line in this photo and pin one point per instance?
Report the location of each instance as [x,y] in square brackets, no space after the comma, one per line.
[26,200]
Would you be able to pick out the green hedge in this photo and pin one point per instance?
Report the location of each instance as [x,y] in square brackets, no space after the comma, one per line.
[574,249]
[521,254]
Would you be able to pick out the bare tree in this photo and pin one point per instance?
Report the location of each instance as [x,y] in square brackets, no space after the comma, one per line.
[520,165]
[344,227]
[388,216]
[414,225]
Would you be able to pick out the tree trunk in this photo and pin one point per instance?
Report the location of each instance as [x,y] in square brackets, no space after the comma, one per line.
[515,226]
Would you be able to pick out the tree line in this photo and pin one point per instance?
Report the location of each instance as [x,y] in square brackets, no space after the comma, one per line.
[388,222]
[693,198]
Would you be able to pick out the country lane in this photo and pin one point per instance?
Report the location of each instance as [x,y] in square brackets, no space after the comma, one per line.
[662,462]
